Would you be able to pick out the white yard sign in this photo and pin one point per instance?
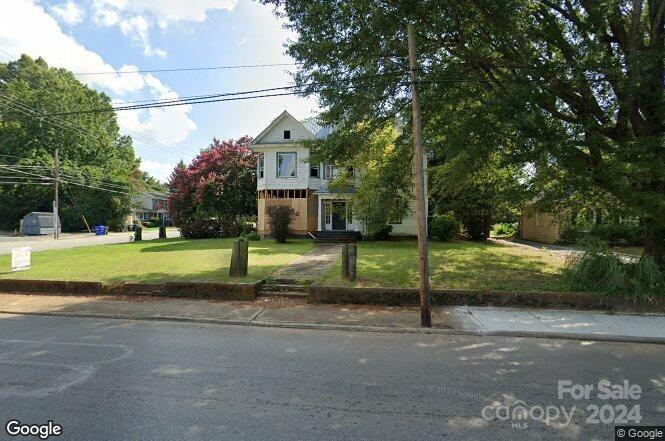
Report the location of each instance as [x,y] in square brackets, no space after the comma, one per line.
[20,258]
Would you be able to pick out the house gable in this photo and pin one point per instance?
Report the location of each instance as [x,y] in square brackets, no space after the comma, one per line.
[274,133]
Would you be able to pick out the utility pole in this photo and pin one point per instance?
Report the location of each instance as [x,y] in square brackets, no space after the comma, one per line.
[423,260]
[56,202]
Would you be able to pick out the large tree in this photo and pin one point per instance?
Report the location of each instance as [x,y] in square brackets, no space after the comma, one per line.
[90,148]
[575,85]
[219,183]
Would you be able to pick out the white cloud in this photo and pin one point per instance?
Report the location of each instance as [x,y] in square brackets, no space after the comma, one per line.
[159,170]
[106,17]
[26,28]
[167,11]
[137,28]
[68,12]
[136,17]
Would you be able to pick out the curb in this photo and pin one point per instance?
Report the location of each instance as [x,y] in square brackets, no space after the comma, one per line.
[358,328]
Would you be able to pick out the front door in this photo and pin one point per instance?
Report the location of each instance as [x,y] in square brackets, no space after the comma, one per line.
[338,215]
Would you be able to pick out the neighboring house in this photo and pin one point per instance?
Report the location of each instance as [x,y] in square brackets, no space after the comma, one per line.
[149,205]
[539,226]
[285,176]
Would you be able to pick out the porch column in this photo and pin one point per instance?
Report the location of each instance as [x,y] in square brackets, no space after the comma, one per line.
[319,202]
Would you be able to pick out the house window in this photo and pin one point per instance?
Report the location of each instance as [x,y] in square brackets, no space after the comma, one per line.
[286,165]
[314,171]
[261,165]
[287,134]
[327,171]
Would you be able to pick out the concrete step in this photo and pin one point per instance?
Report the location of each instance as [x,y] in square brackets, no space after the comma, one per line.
[284,288]
[288,294]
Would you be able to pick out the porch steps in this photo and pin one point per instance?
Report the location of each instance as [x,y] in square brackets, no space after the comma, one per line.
[337,236]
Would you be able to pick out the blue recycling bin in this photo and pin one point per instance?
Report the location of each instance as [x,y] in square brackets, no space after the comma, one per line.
[99,230]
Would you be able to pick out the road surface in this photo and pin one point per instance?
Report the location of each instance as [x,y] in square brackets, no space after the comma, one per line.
[139,380]
[74,240]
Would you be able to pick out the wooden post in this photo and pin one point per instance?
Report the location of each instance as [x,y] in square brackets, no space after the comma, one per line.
[345,261]
[235,251]
[244,256]
[423,263]
[138,234]
[239,255]
[352,258]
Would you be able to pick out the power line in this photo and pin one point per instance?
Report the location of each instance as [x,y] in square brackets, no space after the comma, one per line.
[70,182]
[51,119]
[187,69]
[230,96]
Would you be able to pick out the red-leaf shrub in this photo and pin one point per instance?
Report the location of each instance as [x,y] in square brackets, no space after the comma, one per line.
[218,186]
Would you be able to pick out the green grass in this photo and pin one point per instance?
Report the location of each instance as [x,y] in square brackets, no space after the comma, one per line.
[157,261]
[455,264]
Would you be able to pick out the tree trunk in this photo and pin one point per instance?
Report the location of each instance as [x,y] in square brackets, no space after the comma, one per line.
[654,242]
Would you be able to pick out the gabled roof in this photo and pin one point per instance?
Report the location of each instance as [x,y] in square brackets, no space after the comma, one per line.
[311,125]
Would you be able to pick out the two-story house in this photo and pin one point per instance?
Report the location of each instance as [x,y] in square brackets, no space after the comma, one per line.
[150,205]
[285,176]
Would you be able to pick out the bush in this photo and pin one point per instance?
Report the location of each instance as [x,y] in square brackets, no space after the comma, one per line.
[600,270]
[280,218]
[382,234]
[153,222]
[619,234]
[444,227]
[248,231]
[477,227]
[505,229]
[569,235]
[202,229]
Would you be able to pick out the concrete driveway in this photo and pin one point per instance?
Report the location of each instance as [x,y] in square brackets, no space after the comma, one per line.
[74,240]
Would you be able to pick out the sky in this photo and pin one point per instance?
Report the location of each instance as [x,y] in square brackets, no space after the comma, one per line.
[128,35]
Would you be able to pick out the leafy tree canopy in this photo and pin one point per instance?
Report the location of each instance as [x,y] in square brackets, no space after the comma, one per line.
[91,150]
[219,183]
[572,88]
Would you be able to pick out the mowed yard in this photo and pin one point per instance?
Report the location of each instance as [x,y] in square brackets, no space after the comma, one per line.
[160,260]
[455,264]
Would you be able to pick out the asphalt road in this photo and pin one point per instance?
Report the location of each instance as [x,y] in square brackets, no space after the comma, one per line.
[138,380]
[74,240]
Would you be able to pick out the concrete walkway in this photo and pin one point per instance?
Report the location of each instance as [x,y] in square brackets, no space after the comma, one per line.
[313,263]
[565,322]
[278,311]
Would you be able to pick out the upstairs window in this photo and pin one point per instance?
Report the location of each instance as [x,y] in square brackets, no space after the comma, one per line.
[314,171]
[327,171]
[286,165]
[261,165]
[287,134]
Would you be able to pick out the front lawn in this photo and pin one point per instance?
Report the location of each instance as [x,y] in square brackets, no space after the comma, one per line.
[456,264]
[157,261]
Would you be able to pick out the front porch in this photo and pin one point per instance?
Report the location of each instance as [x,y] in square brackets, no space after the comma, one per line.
[335,213]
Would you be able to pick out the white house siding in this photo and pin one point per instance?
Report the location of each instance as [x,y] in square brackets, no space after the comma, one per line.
[270,179]
[276,134]
[409,225]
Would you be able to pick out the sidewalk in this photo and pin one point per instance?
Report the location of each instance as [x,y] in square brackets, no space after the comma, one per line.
[296,313]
